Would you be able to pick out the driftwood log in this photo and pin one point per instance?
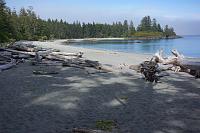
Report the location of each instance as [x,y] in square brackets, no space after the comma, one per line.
[25,50]
[179,62]
[81,130]
[150,69]
[8,66]
[20,52]
[80,54]
[60,56]
[23,46]
[80,63]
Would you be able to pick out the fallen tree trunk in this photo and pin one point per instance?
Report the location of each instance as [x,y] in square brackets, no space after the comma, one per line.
[20,52]
[60,56]
[23,48]
[80,63]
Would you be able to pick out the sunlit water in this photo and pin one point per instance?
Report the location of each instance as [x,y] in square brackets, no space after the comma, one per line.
[188,46]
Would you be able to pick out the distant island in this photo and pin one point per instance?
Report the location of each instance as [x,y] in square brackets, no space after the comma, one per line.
[26,25]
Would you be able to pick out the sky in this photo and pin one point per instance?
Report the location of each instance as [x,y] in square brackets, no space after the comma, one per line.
[183,15]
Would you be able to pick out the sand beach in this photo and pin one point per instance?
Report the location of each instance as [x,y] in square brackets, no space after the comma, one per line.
[74,98]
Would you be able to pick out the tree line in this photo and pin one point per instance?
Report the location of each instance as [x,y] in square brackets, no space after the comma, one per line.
[26,25]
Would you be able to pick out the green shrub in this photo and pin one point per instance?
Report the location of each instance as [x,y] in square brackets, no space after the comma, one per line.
[106,125]
[148,34]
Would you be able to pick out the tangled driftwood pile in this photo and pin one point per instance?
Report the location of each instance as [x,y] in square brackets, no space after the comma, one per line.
[21,51]
[178,63]
[149,69]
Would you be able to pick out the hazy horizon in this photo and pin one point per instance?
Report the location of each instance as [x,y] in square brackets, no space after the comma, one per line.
[183,15]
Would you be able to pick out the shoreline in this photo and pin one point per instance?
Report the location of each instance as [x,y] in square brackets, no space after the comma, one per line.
[65,47]
[114,58]
[119,39]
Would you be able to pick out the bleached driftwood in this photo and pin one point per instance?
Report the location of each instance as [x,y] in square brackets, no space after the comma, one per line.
[41,72]
[179,62]
[23,46]
[56,58]
[79,54]
[59,56]
[175,59]
[20,52]
[65,59]
[81,130]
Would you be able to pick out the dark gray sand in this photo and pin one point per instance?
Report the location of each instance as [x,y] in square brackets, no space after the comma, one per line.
[75,99]
[57,103]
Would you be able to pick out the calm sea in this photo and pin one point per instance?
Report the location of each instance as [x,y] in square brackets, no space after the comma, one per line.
[188,45]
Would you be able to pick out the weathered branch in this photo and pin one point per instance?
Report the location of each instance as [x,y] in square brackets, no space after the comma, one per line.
[20,52]
[179,61]
[80,130]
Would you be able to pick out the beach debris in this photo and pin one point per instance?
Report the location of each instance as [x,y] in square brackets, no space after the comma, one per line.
[23,46]
[13,52]
[94,71]
[125,98]
[41,72]
[82,64]
[58,56]
[121,100]
[179,63]
[79,54]
[150,69]
[94,64]
[25,50]
[84,130]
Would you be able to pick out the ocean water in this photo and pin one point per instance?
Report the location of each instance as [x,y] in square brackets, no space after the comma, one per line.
[188,46]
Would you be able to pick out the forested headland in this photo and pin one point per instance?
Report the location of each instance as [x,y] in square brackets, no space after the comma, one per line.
[26,25]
